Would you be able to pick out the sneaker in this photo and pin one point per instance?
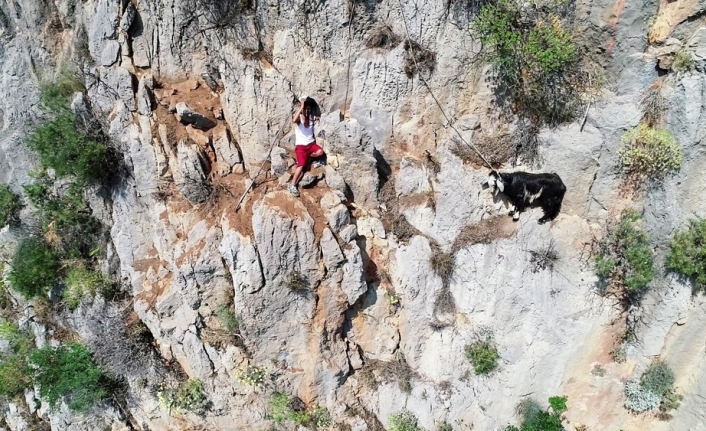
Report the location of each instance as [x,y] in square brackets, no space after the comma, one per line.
[293,190]
[318,163]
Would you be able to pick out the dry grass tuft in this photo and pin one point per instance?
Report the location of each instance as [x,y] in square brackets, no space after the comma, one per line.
[483,232]
[497,149]
[375,373]
[418,59]
[653,105]
[544,258]
[382,37]
[444,302]
[443,264]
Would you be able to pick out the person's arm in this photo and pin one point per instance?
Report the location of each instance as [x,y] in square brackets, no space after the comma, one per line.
[297,117]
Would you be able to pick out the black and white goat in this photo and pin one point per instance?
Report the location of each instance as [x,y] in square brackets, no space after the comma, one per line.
[524,189]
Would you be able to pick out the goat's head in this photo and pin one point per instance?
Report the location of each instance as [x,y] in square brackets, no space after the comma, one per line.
[495,183]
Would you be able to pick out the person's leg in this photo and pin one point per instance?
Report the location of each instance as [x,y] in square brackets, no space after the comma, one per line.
[316,153]
[301,153]
[298,173]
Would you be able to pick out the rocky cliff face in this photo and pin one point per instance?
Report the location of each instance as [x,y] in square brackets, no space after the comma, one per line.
[194,99]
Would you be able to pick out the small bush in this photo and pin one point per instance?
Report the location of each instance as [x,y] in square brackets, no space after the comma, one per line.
[650,152]
[548,48]
[35,268]
[252,375]
[658,378]
[297,282]
[444,426]
[687,254]
[69,372]
[15,376]
[483,355]
[403,421]
[186,397]
[625,255]
[70,153]
[683,61]
[653,105]
[638,399]
[9,205]
[376,372]
[444,302]
[283,408]
[56,95]
[418,60]
[66,220]
[83,283]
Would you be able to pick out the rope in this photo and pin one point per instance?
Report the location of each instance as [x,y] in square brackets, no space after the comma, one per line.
[421,78]
[276,140]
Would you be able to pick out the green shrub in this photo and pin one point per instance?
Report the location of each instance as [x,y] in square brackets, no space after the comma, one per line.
[625,255]
[403,421]
[282,408]
[21,341]
[69,372]
[226,315]
[549,47]
[9,205]
[69,152]
[66,219]
[658,378]
[683,61]
[534,59]
[534,418]
[56,95]
[483,355]
[15,375]
[687,254]
[650,152]
[186,397]
[35,268]
[83,283]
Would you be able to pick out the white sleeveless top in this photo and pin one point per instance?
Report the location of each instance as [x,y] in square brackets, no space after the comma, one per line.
[304,135]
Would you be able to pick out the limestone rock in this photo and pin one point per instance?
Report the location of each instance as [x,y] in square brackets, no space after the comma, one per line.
[111,84]
[190,171]
[227,155]
[144,96]
[338,217]
[330,200]
[370,227]
[110,53]
[334,180]
[308,179]
[280,161]
[81,107]
[331,250]
[128,17]
[353,283]
[189,116]
[349,233]
[243,262]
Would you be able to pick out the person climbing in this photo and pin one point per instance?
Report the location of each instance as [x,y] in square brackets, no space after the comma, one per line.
[305,144]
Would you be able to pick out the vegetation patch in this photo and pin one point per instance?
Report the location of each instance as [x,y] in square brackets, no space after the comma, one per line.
[82,283]
[655,389]
[375,373]
[650,152]
[687,254]
[9,205]
[63,148]
[283,408]
[534,57]
[403,421]
[544,257]
[68,371]
[252,375]
[653,105]
[297,282]
[65,219]
[625,257]
[483,355]
[535,418]
[683,61]
[443,265]
[15,373]
[186,397]
[57,94]
[35,268]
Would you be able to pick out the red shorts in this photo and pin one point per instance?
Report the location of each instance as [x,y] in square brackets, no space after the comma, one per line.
[304,151]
